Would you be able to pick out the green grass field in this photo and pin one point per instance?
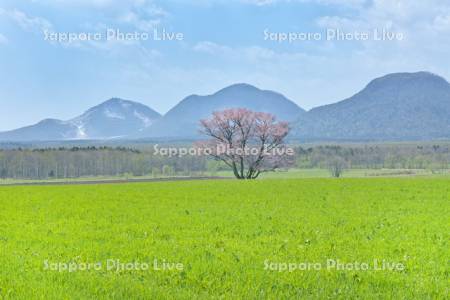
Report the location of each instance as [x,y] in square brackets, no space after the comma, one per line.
[231,239]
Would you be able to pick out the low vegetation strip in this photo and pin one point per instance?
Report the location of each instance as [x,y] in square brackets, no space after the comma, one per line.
[106,181]
[277,239]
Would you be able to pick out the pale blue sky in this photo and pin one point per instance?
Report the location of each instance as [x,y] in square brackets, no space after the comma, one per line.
[223,44]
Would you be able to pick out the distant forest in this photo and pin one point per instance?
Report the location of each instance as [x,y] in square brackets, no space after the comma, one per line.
[76,162]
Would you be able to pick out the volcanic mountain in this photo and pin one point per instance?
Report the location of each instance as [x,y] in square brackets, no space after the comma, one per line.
[400,106]
[182,121]
[114,118]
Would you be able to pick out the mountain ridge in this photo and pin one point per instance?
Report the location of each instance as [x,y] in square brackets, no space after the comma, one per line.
[110,119]
[397,106]
[183,119]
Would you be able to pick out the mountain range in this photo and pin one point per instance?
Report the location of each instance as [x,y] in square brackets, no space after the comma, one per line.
[400,106]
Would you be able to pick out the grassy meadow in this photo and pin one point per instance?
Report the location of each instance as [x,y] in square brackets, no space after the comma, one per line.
[227,239]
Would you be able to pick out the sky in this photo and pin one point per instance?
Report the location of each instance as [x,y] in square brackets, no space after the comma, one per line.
[333,52]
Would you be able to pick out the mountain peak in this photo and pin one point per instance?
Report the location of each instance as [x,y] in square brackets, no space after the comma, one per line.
[397,106]
[117,101]
[238,87]
[50,121]
[110,119]
[241,85]
[403,79]
[183,119]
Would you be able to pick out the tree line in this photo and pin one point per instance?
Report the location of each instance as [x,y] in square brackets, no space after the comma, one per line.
[78,162]
[75,162]
[434,157]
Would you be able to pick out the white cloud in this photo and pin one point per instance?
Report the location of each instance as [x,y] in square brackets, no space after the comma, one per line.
[211,48]
[26,22]
[425,24]
[144,15]
[441,23]
[87,3]
[3,39]
[139,22]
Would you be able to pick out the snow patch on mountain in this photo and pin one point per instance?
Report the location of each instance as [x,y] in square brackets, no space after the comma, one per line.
[81,132]
[113,115]
[147,122]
